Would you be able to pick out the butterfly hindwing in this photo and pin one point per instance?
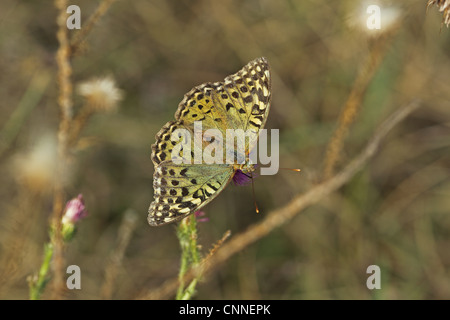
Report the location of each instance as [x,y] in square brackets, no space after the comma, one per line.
[181,189]
[162,148]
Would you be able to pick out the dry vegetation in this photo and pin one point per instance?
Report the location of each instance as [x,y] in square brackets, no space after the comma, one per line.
[333,86]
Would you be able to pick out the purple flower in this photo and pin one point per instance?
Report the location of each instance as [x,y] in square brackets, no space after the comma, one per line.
[199,214]
[242,179]
[74,211]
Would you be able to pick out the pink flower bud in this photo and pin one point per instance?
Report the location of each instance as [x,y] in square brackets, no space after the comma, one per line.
[199,214]
[74,211]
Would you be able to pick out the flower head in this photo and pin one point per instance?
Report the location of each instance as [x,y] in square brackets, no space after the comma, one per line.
[242,179]
[101,93]
[199,215]
[74,211]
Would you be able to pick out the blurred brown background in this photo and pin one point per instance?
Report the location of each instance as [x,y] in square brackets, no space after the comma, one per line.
[395,213]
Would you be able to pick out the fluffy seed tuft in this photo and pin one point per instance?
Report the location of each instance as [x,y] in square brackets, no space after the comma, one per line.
[101,94]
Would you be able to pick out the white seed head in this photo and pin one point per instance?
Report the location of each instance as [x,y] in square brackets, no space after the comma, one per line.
[373,17]
[101,93]
[36,168]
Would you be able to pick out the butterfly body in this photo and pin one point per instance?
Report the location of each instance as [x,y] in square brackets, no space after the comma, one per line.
[240,102]
[246,168]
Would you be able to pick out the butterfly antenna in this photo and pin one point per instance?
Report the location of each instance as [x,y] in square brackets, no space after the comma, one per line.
[296,170]
[253,191]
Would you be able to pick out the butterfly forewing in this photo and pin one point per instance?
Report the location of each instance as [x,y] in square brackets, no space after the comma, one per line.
[250,93]
[249,90]
[241,101]
[198,105]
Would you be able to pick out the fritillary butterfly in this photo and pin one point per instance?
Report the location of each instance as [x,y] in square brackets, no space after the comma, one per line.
[241,101]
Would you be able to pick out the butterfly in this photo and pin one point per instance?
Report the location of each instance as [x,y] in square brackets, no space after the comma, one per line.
[241,101]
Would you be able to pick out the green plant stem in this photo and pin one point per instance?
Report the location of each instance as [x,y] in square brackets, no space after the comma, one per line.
[37,286]
[190,256]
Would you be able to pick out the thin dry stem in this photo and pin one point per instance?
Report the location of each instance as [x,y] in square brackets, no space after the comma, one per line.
[65,106]
[218,245]
[353,103]
[78,123]
[126,230]
[65,140]
[282,215]
[171,286]
[78,40]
